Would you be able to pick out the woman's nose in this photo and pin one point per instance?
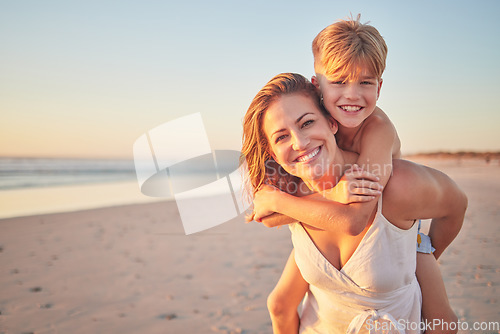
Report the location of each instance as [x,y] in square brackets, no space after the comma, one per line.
[299,141]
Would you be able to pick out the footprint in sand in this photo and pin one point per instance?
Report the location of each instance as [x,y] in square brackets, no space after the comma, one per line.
[36,289]
[168,316]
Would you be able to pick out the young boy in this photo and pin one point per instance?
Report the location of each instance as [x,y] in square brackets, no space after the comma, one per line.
[349,60]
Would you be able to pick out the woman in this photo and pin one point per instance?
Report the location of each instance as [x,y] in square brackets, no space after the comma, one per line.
[368,278]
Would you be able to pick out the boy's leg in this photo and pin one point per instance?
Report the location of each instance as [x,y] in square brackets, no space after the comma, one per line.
[436,308]
[286,297]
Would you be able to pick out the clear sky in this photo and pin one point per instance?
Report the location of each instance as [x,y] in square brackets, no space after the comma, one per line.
[86,78]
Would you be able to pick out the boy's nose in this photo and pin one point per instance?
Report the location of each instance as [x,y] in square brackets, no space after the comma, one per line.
[351,91]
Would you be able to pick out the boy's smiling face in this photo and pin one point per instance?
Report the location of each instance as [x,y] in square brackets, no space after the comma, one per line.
[350,100]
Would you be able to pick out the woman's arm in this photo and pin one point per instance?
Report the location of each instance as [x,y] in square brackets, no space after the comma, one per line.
[286,297]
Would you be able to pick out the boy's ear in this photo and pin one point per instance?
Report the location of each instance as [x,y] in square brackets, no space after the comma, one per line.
[379,87]
[315,81]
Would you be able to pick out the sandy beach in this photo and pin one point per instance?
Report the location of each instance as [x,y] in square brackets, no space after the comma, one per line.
[131,269]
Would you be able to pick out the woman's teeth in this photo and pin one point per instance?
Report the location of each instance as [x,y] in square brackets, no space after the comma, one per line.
[308,156]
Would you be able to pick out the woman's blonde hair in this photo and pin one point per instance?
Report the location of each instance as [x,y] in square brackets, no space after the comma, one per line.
[343,47]
[256,150]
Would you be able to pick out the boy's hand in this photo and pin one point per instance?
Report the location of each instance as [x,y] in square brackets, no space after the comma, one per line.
[264,211]
[355,186]
[263,202]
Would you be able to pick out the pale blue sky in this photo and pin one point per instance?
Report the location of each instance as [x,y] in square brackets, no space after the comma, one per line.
[86,78]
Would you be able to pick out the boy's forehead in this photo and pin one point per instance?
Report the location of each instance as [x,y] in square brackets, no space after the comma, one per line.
[351,72]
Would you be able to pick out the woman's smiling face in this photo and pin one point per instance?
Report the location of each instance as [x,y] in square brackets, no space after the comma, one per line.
[301,139]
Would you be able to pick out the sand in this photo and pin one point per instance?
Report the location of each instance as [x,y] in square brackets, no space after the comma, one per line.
[131,269]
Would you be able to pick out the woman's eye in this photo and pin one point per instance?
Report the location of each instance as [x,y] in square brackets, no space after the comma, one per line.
[307,123]
[280,138]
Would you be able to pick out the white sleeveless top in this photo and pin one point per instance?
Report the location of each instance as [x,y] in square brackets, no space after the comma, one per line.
[376,288]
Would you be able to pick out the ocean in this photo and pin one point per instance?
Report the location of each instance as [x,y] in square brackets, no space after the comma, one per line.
[19,173]
[30,186]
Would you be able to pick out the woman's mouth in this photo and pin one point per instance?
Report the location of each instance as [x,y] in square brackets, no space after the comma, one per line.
[309,156]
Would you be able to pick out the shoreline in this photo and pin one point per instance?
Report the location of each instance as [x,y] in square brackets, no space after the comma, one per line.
[69,198]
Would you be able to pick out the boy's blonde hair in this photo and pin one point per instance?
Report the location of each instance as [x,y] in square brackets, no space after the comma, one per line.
[342,48]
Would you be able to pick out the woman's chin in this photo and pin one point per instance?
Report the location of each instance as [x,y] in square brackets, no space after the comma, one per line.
[313,172]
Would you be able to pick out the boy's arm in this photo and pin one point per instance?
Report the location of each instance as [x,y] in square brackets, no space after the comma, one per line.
[377,146]
[275,220]
[314,210]
[423,193]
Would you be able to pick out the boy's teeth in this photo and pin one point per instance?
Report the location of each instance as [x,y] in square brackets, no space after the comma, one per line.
[350,108]
[309,156]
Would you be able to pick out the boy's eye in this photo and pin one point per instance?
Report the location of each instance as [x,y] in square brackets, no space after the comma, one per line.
[366,83]
[339,82]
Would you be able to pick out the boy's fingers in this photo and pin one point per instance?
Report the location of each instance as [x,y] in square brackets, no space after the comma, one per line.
[362,174]
[358,186]
[372,185]
[361,199]
[355,167]
[257,218]
[369,192]
[365,192]
[251,217]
